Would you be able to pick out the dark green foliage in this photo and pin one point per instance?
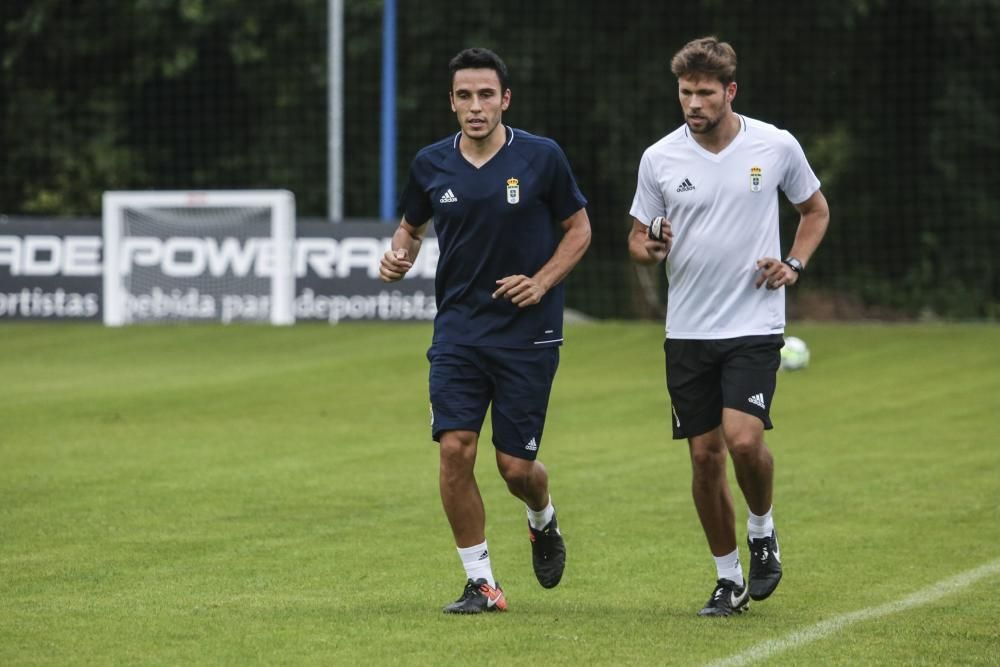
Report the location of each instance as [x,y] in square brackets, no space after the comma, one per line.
[894,103]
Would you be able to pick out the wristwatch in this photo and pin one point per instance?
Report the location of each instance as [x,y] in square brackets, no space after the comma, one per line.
[795,264]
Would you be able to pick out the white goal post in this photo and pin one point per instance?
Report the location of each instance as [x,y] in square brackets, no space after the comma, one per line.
[216,255]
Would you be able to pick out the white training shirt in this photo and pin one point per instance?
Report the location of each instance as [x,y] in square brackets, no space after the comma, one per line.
[724,212]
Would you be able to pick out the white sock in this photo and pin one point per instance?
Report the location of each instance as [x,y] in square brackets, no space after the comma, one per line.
[541,518]
[759,526]
[476,561]
[728,567]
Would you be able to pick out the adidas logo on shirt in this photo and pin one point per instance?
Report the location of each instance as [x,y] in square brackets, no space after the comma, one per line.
[448,197]
[685,186]
[532,446]
[758,400]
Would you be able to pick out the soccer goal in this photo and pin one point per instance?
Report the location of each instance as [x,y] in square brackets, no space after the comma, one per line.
[217,255]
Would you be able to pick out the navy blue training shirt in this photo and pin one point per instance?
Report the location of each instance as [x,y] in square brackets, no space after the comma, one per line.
[498,220]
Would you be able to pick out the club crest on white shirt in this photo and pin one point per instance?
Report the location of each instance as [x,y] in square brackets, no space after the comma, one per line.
[756,178]
[513,191]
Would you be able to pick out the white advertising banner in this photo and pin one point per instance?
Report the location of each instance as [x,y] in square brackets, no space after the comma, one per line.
[52,269]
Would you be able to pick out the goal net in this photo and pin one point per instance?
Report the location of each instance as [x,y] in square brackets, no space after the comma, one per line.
[217,256]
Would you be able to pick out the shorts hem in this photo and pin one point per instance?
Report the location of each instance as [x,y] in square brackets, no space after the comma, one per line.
[766,420]
[436,433]
[516,452]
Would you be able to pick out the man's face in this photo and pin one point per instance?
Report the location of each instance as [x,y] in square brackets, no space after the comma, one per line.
[704,101]
[478,102]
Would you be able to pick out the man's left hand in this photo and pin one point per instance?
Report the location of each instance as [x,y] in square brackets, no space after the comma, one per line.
[520,290]
[775,273]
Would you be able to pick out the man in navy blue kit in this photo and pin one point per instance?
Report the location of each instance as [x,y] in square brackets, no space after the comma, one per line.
[511,224]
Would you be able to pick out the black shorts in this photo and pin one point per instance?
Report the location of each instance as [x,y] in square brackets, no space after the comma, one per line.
[704,376]
[465,381]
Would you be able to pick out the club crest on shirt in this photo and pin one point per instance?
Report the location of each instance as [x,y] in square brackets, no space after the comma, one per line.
[513,191]
[756,178]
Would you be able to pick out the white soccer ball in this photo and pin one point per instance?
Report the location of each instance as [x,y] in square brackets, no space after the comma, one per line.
[795,354]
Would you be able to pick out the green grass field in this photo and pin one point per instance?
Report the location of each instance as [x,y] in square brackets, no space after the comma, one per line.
[252,495]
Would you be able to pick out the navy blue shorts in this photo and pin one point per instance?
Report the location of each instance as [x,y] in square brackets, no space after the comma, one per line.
[465,381]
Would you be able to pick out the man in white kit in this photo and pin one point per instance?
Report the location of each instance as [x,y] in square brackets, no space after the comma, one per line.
[707,202]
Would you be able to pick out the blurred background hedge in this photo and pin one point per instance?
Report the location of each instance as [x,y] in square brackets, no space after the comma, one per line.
[895,103]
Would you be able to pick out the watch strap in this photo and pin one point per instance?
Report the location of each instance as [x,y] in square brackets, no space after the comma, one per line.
[796,265]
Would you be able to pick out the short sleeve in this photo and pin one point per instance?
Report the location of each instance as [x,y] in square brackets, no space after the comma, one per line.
[799,182]
[565,197]
[414,204]
[648,201]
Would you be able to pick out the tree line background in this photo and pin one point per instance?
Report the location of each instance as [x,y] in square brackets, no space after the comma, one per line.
[895,103]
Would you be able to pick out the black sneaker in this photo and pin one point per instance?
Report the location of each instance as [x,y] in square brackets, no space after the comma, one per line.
[727,599]
[765,566]
[477,598]
[548,553]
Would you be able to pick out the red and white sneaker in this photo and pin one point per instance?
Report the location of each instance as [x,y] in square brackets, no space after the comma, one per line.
[478,597]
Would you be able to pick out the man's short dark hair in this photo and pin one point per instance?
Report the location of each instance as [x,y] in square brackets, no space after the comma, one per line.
[480,59]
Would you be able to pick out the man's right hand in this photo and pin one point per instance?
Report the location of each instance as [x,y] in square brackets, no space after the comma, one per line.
[394,265]
[659,239]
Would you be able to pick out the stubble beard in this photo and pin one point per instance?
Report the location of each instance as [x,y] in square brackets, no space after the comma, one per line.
[707,127]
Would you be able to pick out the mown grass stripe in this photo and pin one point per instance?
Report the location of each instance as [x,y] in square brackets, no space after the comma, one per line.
[772,647]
